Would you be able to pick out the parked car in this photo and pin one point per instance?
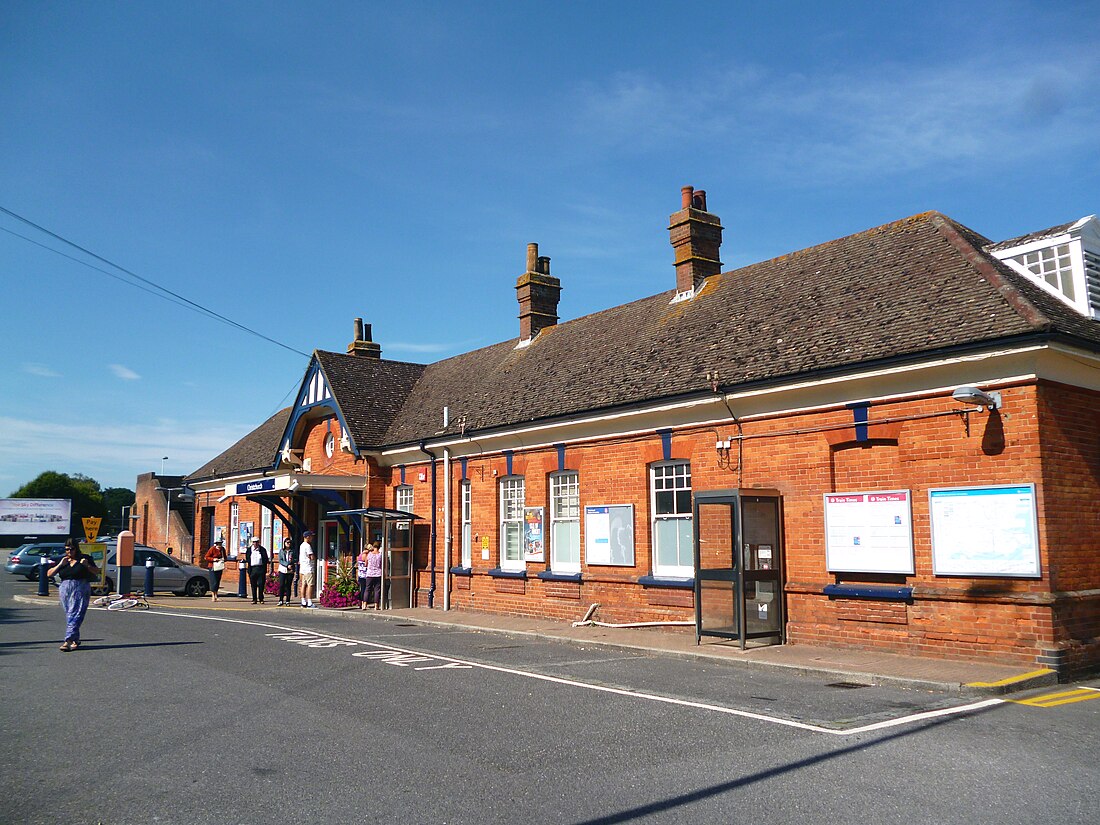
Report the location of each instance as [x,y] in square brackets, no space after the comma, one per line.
[168,574]
[24,560]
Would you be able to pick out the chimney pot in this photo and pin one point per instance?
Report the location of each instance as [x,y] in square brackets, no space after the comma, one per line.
[362,346]
[532,256]
[685,196]
[699,201]
[543,265]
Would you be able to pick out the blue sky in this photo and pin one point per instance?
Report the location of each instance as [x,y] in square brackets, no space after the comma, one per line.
[294,166]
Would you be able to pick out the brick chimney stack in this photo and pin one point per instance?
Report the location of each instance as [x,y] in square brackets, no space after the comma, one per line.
[538,293]
[363,346]
[695,235]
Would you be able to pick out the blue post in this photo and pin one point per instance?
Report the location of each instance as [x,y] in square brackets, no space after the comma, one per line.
[149,564]
[43,579]
[242,574]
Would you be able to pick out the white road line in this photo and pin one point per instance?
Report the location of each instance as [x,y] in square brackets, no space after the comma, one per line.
[633,694]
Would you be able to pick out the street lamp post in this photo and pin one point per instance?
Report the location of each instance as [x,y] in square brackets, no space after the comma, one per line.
[168,511]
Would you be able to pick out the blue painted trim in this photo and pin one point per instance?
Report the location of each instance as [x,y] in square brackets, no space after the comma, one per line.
[401,469]
[666,444]
[508,462]
[462,571]
[551,576]
[561,456]
[859,418]
[866,591]
[664,581]
[497,573]
[463,462]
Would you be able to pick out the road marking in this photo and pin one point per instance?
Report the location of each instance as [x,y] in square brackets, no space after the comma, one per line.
[1011,680]
[391,654]
[1065,697]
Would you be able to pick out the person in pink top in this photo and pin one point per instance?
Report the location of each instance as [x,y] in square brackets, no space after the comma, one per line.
[372,577]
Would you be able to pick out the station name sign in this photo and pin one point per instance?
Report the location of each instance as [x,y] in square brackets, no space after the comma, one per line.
[260,486]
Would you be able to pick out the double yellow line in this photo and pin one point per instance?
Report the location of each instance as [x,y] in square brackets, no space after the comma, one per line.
[1050,700]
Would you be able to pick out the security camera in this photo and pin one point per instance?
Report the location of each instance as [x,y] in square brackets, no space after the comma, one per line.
[972,395]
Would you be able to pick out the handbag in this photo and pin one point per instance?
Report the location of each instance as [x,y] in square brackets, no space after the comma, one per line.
[219,564]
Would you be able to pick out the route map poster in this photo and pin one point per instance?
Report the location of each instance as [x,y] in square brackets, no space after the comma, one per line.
[609,535]
[984,531]
[869,532]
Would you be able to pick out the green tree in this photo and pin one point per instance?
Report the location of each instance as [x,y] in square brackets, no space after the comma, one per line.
[84,492]
[114,499]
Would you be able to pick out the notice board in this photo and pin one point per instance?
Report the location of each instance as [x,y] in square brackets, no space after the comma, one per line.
[984,531]
[869,532]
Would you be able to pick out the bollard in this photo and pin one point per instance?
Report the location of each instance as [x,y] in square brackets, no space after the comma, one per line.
[149,565]
[43,579]
[242,574]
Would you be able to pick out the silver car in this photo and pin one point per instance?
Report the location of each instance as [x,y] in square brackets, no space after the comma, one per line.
[168,574]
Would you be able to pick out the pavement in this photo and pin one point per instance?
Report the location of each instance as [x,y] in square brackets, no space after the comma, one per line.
[865,667]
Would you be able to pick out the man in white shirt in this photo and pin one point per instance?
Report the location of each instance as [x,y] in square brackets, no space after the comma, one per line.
[306,568]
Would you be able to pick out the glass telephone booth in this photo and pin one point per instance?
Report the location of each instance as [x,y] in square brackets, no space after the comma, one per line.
[739,565]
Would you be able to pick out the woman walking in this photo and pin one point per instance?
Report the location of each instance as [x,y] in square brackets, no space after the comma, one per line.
[215,560]
[76,571]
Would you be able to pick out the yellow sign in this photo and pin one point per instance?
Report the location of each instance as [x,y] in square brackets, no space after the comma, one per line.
[91,527]
[98,552]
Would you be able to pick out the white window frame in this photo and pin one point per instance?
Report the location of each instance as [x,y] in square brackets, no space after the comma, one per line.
[565,518]
[467,499]
[403,500]
[513,490]
[678,475]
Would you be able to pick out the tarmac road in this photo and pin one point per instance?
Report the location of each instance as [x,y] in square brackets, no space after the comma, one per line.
[282,715]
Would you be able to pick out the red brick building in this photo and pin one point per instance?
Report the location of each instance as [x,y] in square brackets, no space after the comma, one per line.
[891,440]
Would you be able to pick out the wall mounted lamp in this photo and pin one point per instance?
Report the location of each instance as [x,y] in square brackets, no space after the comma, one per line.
[987,401]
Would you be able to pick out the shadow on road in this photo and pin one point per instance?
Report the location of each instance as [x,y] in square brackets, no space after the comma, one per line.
[715,790]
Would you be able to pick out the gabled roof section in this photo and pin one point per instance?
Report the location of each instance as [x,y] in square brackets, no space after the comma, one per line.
[251,453]
[365,392]
[910,288]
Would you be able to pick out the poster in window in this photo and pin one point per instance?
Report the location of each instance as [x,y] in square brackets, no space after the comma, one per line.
[534,545]
[869,532]
[984,531]
[609,535]
[245,536]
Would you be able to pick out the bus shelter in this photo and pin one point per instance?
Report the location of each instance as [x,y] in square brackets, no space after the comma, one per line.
[393,531]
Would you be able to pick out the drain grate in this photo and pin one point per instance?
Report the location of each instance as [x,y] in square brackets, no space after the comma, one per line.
[846,685]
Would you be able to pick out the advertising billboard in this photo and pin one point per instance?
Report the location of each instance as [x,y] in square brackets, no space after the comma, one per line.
[35,516]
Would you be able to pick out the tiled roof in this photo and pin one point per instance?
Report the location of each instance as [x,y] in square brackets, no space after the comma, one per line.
[913,287]
[369,391]
[1052,232]
[253,452]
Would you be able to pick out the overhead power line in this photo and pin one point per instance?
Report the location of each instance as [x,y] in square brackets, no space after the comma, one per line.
[151,286]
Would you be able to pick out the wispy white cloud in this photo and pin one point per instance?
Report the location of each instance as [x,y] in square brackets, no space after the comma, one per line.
[114,454]
[839,125]
[125,373]
[41,370]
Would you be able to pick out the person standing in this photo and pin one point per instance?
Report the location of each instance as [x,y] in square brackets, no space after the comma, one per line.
[76,571]
[374,576]
[305,568]
[215,560]
[286,571]
[361,575]
[257,569]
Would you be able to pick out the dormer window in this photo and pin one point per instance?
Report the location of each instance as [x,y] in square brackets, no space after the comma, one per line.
[1054,265]
[1064,259]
